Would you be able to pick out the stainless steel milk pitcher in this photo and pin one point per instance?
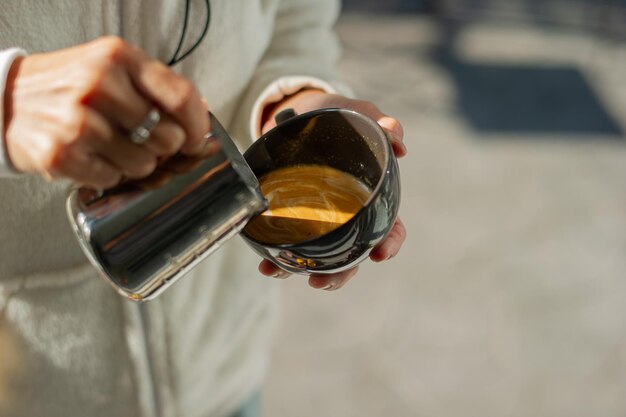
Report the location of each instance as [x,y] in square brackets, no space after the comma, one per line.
[143,237]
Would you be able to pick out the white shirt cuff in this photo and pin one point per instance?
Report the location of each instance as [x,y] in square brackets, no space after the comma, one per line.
[7,57]
[279,89]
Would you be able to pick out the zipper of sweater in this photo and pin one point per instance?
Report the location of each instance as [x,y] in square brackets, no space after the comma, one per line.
[136,331]
[139,352]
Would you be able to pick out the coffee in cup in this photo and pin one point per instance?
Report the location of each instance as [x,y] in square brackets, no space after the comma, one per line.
[333,186]
[305,202]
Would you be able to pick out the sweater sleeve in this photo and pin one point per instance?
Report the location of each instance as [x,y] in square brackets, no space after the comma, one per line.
[303,53]
[7,57]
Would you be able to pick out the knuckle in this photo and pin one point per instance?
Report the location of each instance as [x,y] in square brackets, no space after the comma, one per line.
[54,157]
[78,125]
[185,95]
[104,54]
[93,85]
[90,85]
[113,48]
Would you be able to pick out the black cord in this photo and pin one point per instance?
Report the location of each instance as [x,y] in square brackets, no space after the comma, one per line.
[172,60]
[175,58]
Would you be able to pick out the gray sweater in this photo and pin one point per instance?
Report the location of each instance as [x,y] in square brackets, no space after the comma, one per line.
[69,345]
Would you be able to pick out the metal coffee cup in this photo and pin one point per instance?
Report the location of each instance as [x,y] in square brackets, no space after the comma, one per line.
[143,237]
[347,141]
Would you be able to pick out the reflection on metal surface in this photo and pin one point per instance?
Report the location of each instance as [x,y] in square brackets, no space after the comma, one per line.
[349,142]
[144,235]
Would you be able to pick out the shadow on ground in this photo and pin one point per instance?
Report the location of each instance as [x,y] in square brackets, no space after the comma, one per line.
[524,99]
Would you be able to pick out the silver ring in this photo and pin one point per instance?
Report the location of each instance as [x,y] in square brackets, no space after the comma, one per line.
[143,132]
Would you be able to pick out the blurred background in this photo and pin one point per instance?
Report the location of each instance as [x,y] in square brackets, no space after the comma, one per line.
[509,296]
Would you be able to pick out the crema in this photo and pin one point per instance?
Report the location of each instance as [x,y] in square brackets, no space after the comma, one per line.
[305,202]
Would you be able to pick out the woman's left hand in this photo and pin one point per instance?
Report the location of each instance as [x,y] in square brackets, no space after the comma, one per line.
[308,100]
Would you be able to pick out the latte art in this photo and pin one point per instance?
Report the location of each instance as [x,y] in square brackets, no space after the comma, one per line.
[305,202]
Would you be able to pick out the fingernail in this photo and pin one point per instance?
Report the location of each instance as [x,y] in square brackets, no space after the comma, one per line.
[211,144]
[401,146]
[281,274]
[208,135]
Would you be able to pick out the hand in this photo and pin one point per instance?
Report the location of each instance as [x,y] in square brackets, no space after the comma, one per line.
[308,100]
[68,113]
[175,165]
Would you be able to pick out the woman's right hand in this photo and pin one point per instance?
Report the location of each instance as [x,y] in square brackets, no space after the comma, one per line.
[68,113]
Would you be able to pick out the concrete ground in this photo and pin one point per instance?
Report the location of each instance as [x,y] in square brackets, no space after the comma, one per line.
[509,296]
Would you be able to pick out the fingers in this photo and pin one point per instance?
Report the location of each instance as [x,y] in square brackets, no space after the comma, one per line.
[71,112]
[126,107]
[332,282]
[173,94]
[80,161]
[307,100]
[395,133]
[134,161]
[84,168]
[179,164]
[117,99]
[391,245]
[318,281]
[166,138]
[93,171]
[386,250]
[269,269]
[392,127]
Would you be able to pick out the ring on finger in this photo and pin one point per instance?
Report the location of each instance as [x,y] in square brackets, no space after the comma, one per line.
[141,134]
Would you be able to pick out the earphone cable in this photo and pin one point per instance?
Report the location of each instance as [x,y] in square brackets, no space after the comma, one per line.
[183,34]
[175,58]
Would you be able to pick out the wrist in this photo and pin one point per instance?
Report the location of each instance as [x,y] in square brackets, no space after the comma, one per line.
[278,91]
[10,63]
[8,95]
